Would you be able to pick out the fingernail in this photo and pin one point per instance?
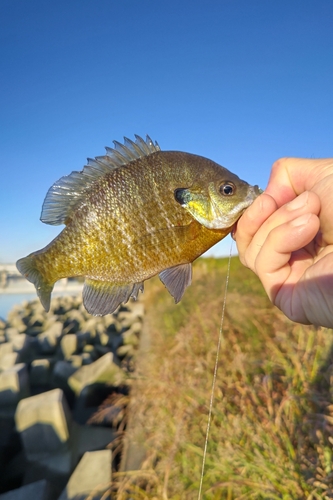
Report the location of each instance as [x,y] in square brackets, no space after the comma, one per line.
[299,201]
[302,220]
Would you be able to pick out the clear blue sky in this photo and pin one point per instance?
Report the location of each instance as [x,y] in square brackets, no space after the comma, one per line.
[242,82]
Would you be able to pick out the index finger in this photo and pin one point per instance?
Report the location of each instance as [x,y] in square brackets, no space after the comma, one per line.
[250,222]
[292,176]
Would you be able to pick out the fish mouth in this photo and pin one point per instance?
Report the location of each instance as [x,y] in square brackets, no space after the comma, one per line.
[257,190]
[253,193]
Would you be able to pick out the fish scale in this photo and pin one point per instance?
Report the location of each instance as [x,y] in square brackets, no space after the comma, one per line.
[131,214]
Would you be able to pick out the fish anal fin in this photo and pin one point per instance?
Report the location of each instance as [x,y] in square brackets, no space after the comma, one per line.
[138,287]
[177,279]
[102,297]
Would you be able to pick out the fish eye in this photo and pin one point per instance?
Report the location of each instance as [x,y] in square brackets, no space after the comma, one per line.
[227,189]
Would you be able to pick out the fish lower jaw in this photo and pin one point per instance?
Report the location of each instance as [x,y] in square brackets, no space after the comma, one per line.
[221,221]
[219,224]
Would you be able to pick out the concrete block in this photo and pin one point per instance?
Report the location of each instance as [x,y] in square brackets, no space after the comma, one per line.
[61,372]
[43,422]
[8,361]
[109,321]
[35,491]
[130,338]
[135,328]
[37,319]
[125,350]
[90,438]
[83,338]
[91,327]
[100,350]
[133,313]
[103,338]
[17,323]
[69,344]
[13,469]
[102,371]
[88,348]
[19,342]
[137,309]
[24,346]
[40,372]
[82,411]
[86,358]
[7,429]
[93,474]
[126,318]
[55,468]
[48,340]
[88,402]
[14,384]
[5,348]
[75,360]
[115,341]
[73,320]
[11,332]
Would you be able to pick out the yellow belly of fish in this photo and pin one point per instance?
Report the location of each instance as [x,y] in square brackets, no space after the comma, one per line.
[119,260]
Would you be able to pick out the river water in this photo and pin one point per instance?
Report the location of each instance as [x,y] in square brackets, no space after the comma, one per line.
[19,290]
[7,301]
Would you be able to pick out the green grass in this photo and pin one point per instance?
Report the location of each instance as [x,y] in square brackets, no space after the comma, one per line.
[271,432]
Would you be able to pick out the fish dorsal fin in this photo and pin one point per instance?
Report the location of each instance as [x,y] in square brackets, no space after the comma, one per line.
[68,192]
[177,279]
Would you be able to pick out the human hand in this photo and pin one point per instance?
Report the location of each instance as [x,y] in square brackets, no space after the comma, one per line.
[286,238]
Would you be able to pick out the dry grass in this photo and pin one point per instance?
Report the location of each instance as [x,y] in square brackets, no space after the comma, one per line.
[272,422]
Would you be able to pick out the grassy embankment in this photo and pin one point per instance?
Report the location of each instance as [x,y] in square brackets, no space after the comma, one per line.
[271,433]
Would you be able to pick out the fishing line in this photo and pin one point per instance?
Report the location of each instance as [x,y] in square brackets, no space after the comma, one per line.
[215,374]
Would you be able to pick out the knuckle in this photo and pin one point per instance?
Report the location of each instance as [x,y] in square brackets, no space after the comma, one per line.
[280,164]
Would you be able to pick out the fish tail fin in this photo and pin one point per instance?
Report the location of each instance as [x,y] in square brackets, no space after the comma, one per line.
[28,269]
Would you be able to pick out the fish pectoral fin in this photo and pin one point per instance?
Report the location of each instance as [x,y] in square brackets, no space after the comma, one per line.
[177,279]
[102,297]
[169,237]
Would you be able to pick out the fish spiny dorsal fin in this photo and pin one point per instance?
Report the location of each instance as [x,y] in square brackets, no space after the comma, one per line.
[68,192]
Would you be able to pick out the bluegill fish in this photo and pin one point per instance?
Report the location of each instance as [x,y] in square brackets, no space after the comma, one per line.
[131,214]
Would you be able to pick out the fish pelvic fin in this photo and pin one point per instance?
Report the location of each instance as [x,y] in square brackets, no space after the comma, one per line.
[102,297]
[27,267]
[177,279]
[69,192]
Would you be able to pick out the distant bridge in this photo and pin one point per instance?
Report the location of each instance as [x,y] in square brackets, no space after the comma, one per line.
[11,281]
[7,272]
